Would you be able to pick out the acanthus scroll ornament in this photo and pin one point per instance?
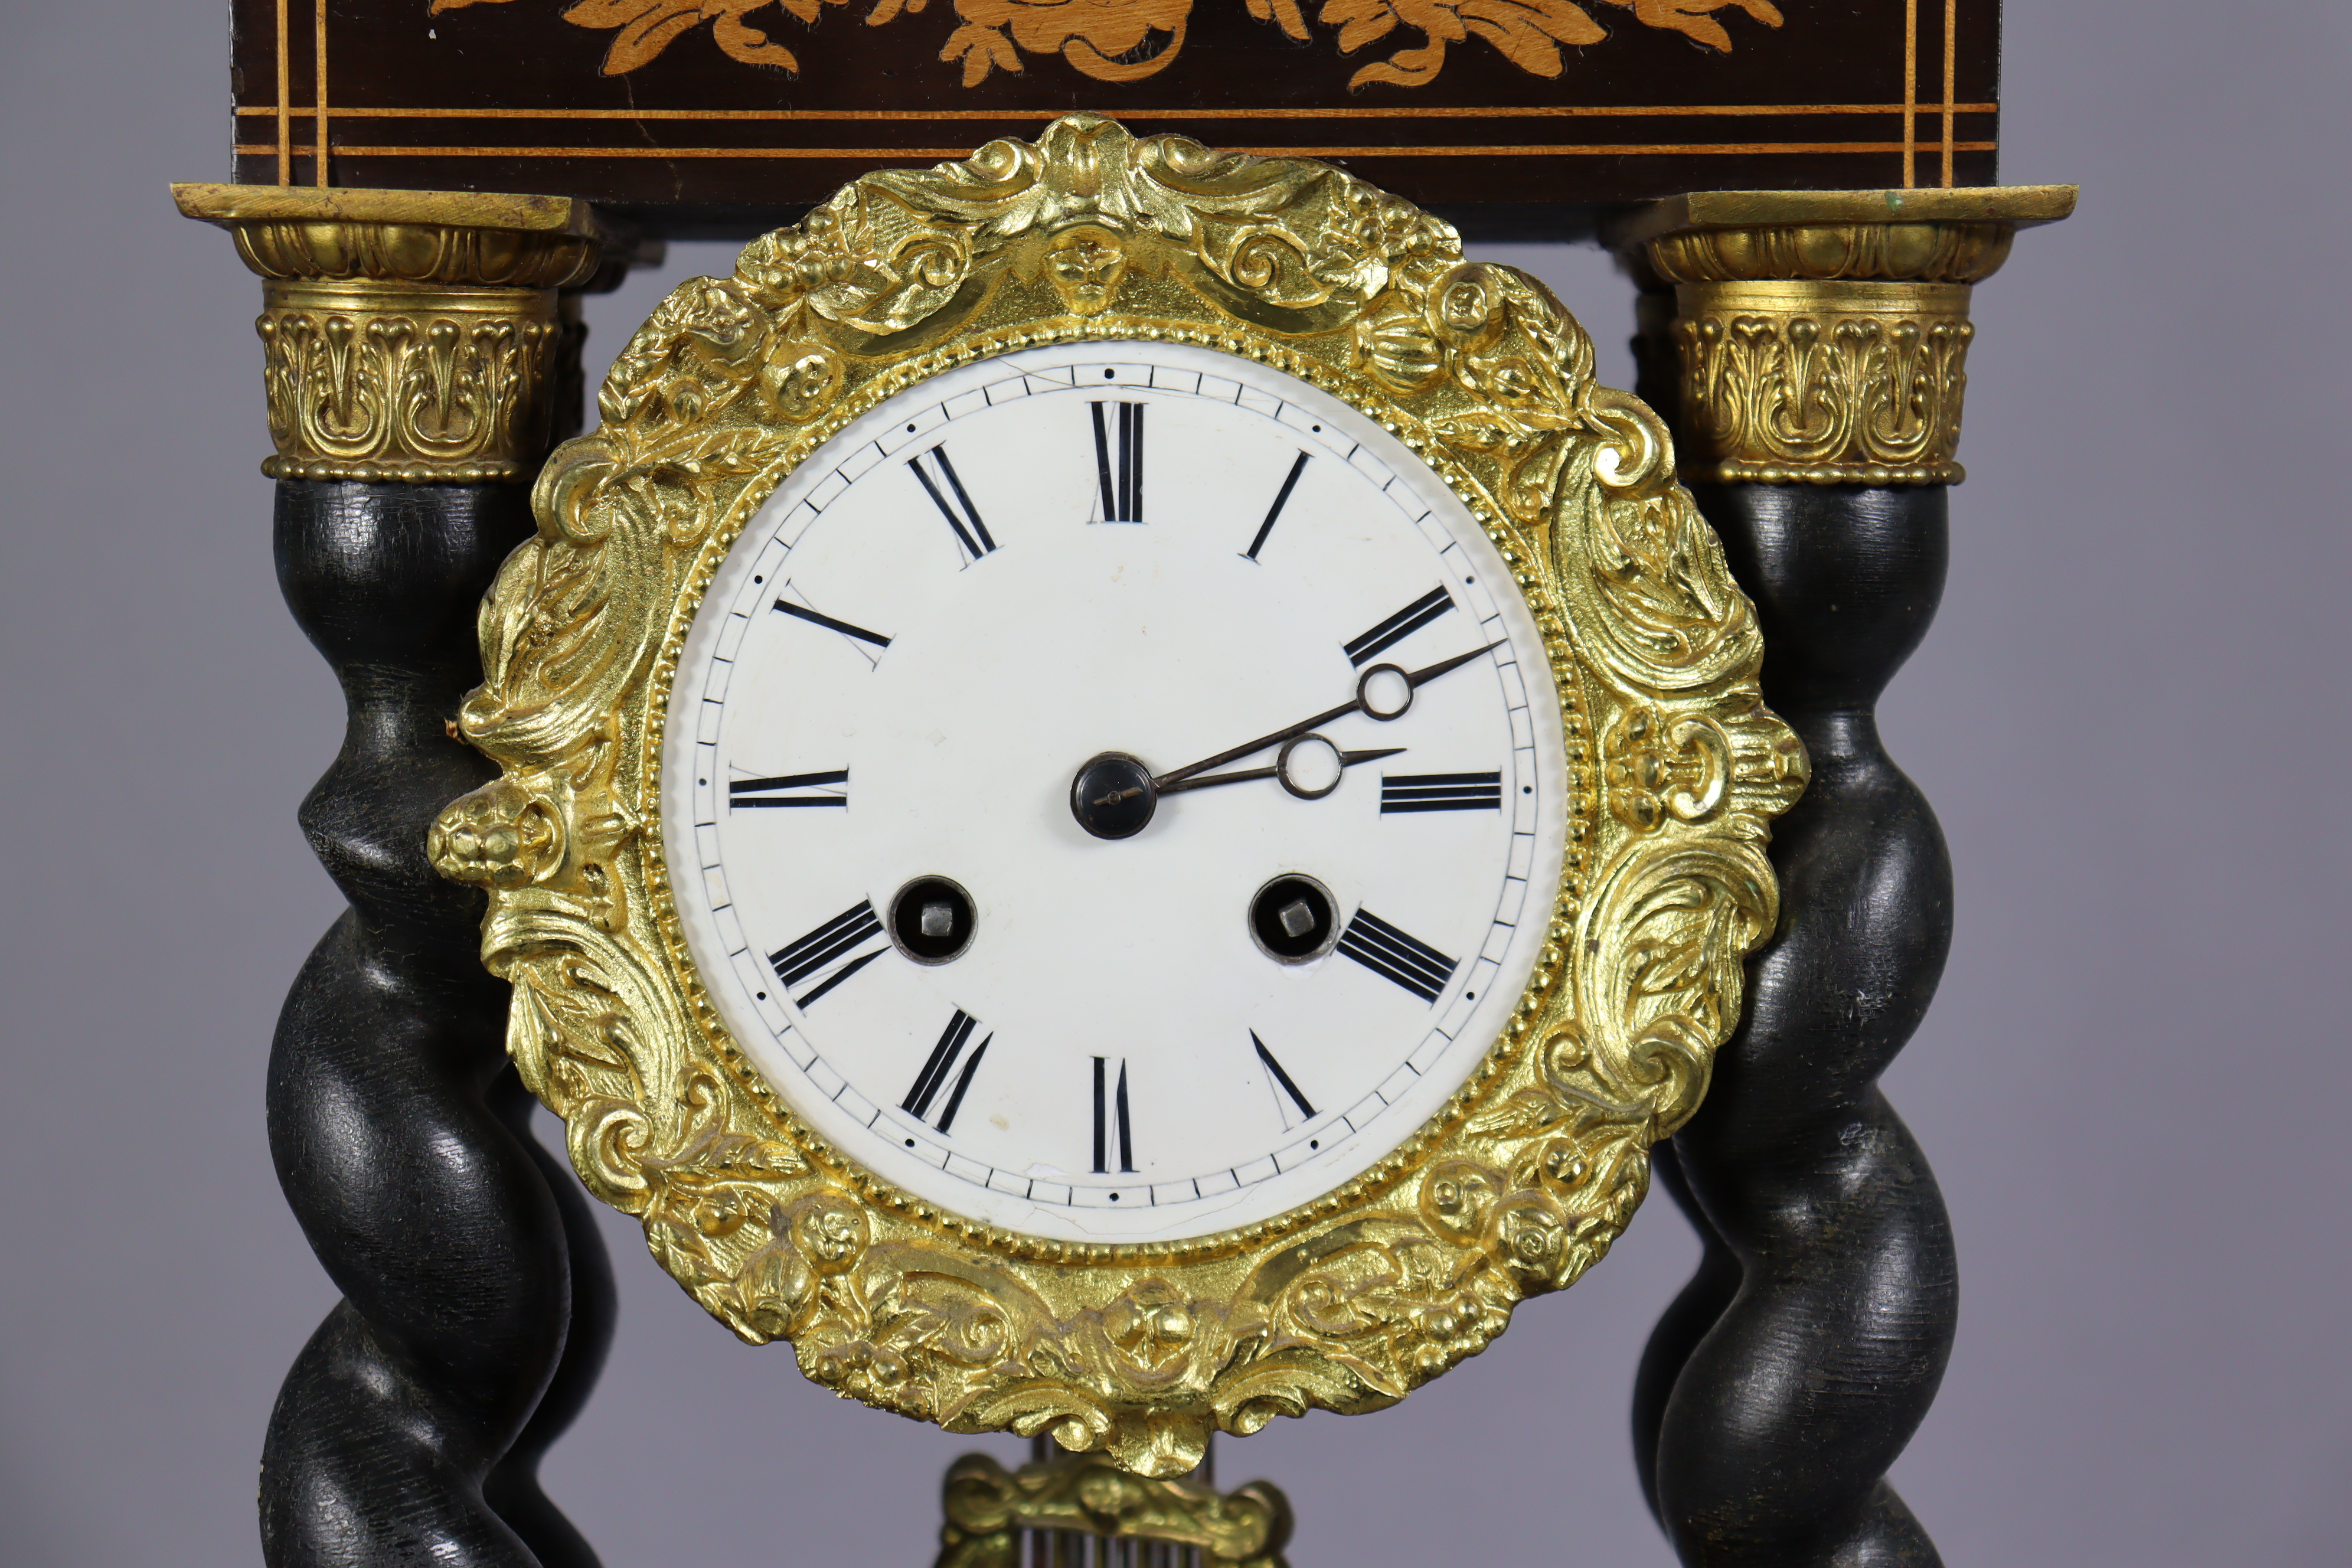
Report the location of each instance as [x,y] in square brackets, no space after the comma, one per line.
[364,382]
[1830,383]
[1821,336]
[1350,1301]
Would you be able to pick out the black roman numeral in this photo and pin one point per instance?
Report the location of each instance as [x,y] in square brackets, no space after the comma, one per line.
[1441,791]
[1281,1080]
[1398,626]
[934,1076]
[1390,953]
[818,618]
[1110,1119]
[1122,489]
[789,789]
[828,945]
[1281,500]
[938,479]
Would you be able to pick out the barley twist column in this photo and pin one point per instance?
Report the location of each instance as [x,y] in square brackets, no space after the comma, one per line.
[1812,354]
[413,346]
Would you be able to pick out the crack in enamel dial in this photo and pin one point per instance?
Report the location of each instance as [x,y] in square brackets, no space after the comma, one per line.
[959,887]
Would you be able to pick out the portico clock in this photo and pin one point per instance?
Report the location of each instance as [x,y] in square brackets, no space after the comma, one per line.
[1128,800]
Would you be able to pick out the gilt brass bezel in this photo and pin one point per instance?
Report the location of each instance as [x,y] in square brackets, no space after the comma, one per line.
[1674,770]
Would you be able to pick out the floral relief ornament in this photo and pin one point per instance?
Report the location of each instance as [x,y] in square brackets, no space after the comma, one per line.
[1128,40]
[1675,770]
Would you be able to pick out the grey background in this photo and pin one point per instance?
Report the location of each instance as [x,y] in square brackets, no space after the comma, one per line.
[2131,717]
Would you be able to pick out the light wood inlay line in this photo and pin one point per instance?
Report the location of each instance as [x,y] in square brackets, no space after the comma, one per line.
[1557,111]
[1910,92]
[1570,150]
[319,113]
[285,111]
[1951,51]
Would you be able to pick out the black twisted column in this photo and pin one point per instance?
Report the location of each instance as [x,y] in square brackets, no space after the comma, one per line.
[1811,358]
[413,346]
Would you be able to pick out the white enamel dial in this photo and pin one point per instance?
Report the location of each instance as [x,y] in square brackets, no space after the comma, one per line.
[1141,556]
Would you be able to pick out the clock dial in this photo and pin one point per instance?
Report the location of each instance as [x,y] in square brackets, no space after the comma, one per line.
[1113,792]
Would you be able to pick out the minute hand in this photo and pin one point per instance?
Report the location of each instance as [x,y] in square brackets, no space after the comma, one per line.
[1179,778]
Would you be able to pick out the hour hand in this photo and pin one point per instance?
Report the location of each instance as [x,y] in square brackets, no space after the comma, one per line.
[1309,766]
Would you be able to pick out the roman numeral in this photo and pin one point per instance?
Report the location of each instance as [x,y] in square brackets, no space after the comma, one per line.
[1281,498]
[1122,489]
[1390,953]
[1279,1080]
[1398,626]
[1441,791]
[818,618]
[1110,1120]
[934,1076]
[938,479]
[789,789]
[826,946]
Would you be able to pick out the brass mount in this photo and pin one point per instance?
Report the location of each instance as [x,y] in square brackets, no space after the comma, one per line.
[1821,337]
[423,337]
[1185,1520]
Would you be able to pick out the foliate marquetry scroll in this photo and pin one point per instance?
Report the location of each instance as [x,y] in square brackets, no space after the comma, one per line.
[1676,769]
[409,336]
[1128,40]
[988,1507]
